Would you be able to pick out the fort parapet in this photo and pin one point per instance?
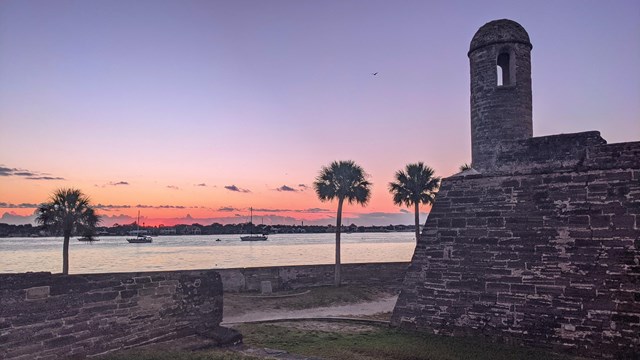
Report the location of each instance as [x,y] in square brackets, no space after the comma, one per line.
[45,316]
[538,243]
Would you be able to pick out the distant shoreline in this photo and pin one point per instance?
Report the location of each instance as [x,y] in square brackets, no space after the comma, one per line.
[13,231]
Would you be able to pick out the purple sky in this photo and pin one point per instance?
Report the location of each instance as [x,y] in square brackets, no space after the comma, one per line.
[261,94]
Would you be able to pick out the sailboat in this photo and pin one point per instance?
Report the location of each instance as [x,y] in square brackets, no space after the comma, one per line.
[140,239]
[252,237]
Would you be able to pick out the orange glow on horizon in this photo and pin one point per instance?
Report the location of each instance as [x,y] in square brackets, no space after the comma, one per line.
[280,209]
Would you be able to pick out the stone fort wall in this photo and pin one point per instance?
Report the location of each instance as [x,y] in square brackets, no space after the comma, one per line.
[544,250]
[54,316]
[45,316]
[302,276]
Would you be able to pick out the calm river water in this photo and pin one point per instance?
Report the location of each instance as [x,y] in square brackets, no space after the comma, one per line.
[115,254]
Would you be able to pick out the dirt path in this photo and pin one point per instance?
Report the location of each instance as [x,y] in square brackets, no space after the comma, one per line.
[381,305]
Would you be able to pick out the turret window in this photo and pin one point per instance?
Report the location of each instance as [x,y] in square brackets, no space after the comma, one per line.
[505,68]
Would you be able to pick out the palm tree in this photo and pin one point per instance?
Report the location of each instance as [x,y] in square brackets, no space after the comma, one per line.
[414,185]
[465,167]
[342,180]
[68,212]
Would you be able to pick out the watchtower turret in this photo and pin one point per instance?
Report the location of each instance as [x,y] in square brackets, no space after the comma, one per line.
[501,109]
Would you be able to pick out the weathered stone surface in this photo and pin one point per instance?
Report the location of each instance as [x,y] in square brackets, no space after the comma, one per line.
[103,312]
[38,292]
[499,113]
[499,32]
[265,287]
[56,316]
[541,244]
[566,271]
[293,277]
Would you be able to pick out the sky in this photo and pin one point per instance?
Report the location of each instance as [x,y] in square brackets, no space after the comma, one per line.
[195,111]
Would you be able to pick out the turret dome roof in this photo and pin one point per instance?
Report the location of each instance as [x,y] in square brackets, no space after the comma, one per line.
[499,31]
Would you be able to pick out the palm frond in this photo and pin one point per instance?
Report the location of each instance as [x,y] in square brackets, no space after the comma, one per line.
[415,184]
[67,211]
[343,180]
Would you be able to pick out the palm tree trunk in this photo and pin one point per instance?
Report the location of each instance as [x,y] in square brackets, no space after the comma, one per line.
[65,254]
[337,278]
[417,221]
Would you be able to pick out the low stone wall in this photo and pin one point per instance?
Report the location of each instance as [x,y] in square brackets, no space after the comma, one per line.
[52,316]
[45,316]
[293,277]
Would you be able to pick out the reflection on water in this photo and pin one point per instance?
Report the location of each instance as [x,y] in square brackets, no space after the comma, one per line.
[115,254]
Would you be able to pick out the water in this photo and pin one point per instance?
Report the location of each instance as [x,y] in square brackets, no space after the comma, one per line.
[115,254]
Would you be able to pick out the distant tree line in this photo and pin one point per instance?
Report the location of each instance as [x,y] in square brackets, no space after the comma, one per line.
[9,230]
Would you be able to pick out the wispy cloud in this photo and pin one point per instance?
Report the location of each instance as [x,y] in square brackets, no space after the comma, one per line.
[236,189]
[404,211]
[163,206]
[45,178]
[270,210]
[286,188]
[5,205]
[302,211]
[118,183]
[141,206]
[303,187]
[201,185]
[5,171]
[24,173]
[228,209]
[111,207]
[316,210]
[173,187]
[27,174]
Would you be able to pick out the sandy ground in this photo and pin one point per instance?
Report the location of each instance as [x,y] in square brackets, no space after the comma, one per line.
[375,304]
[382,305]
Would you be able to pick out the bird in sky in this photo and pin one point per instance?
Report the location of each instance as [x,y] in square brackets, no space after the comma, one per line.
[374,74]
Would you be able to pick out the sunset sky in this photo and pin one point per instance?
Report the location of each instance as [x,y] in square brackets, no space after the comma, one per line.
[194,111]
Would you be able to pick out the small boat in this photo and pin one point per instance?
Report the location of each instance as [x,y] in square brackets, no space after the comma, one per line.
[88,238]
[140,239]
[252,237]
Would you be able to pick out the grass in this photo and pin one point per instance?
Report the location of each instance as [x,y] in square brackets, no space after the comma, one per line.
[367,343]
[383,343]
